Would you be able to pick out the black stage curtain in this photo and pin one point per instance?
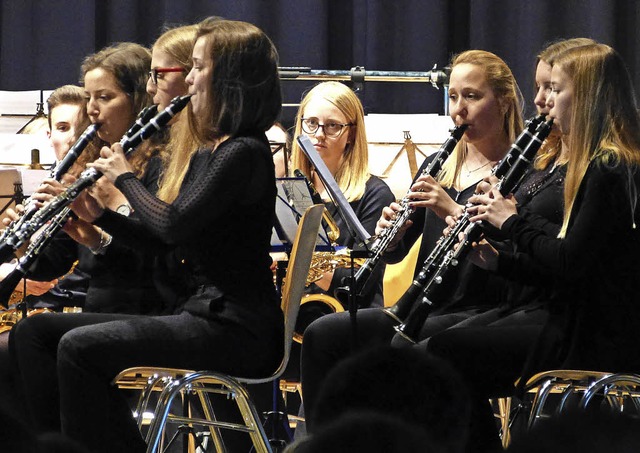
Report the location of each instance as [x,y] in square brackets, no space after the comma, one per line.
[42,42]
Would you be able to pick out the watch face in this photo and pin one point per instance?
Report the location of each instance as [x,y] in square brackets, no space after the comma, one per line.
[124,209]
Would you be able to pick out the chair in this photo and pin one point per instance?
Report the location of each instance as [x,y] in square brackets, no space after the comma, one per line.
[174,382]
[398,276]
[566,384]
[615,388]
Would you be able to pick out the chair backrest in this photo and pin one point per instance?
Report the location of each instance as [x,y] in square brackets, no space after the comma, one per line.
[398,276]
[296,277]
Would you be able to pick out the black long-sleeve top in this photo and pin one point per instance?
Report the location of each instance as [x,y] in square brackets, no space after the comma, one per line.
[465,288]
[217,231]
[595,316]
[120,281]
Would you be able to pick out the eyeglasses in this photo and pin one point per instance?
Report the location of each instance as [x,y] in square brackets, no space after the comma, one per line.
[311,126]
[153,74]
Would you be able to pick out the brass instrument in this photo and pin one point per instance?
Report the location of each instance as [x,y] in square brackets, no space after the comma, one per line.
[9,317]
[313,306]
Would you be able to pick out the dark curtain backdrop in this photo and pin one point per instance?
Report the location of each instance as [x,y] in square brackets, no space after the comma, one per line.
[42,43]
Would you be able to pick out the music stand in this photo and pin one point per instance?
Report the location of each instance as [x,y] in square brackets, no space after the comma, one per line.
[357,231]
[39,114]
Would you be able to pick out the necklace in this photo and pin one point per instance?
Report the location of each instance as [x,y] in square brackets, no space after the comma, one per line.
[475,169]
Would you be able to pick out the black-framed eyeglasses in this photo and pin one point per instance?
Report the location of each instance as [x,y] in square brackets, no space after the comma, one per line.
[331,129]
[153,74]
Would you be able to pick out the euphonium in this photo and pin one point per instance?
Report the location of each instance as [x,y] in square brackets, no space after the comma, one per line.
[471,231]
[361,281]
[86,179]
[400,310]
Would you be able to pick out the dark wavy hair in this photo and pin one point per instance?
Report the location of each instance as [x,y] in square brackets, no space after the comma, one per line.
[129,63]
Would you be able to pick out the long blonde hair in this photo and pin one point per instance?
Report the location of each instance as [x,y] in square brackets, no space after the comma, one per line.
[506,91]
[353,173]
[604,122]
[552,146]
[177,43]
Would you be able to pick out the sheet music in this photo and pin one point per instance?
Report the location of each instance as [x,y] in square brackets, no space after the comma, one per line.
[337,196]
[292,201]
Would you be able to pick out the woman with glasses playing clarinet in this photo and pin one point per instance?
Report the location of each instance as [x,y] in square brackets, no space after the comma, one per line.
[593,320]
[216,228]
[483,95]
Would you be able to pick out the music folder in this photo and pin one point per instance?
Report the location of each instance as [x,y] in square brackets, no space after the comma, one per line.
[292,201]
[344,208]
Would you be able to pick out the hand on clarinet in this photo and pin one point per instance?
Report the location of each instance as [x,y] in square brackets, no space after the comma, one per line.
[386,220]
[482,253]
[83,233]
[492,207]
[12,214]
[112,162]
[49,188]
[426,192]
[486,185]
[86,207]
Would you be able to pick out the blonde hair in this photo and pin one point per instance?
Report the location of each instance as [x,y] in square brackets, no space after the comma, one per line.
[353,173]
[552,146]
[604,122]
[505,89]
[178,44]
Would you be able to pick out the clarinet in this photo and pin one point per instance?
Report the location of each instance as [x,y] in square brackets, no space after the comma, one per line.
[9,283]
[401,309]
[361,280]
[87,178]
[56,173]
[472,231]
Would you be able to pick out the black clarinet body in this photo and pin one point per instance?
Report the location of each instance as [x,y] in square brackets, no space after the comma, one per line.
[362,281]
[471,232]
[86,179]
[401,309]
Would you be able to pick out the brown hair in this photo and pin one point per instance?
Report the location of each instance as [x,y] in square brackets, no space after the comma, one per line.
[244,96]
[74,95]
[129,63]
[604,121]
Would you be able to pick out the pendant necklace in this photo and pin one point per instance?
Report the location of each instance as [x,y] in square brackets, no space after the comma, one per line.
[475,169]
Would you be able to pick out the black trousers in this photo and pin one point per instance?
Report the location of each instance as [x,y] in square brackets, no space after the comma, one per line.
[490,360]
[66,363]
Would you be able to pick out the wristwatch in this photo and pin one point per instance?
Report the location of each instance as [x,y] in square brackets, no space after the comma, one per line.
[124,209]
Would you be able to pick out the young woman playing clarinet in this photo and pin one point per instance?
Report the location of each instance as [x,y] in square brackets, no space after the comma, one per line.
[593,320]
[218,229]
[483,95]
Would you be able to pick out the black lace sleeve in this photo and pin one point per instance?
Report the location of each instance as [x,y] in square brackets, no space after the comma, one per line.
[229,175]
